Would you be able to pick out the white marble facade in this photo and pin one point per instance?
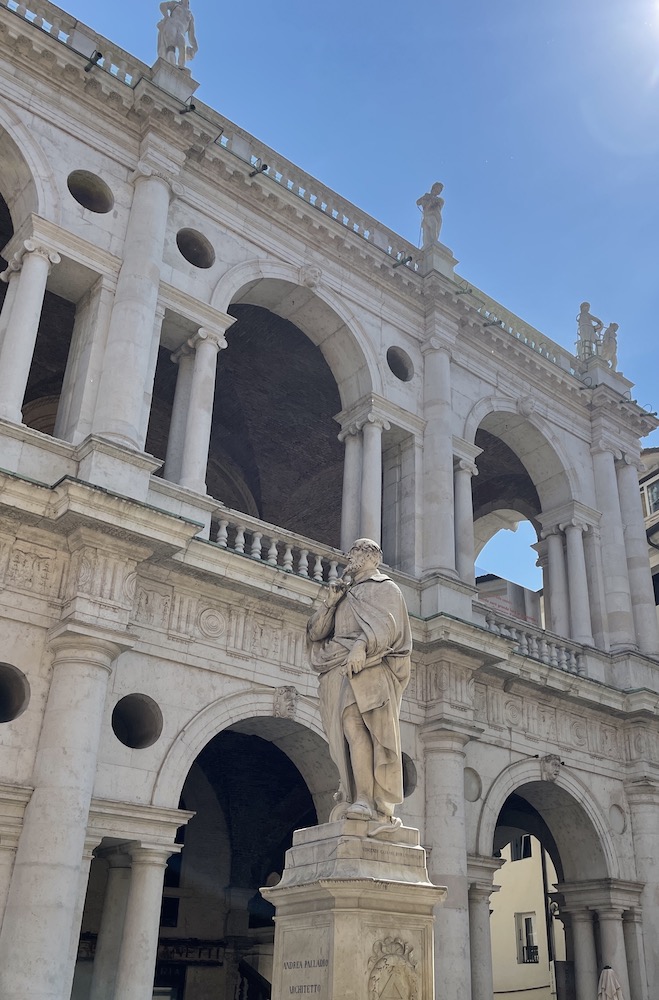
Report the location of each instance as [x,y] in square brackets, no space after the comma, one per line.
[144,617]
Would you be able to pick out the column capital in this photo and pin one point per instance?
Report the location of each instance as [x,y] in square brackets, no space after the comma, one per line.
[602,447]
[154,855]
[184,351]
[480,872]
[463,465]
[13,267]
[574,522]
[434,344]
[214,337]
[554,529]
[447,736]
[350,430]
[633,461]
[373,419]
[32,246]
[144,171]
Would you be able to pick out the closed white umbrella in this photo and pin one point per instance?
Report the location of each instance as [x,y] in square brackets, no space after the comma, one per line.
[609,988]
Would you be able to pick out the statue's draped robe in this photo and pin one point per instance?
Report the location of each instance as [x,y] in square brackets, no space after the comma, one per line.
[373,610]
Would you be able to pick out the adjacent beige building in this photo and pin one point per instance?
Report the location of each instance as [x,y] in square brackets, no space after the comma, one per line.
[215,373]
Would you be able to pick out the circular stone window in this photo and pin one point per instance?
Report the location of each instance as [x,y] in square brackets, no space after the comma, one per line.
[196,249]
[409,776]
[400,364]
[90,191]
[14,692]
[137,721]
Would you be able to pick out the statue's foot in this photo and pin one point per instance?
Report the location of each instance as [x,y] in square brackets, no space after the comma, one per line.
[360,810]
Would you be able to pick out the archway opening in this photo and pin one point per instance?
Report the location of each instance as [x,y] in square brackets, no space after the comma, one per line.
[274,451]
[545,839]
[250,787]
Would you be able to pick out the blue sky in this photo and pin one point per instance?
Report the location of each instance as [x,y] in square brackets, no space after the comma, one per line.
[540,118]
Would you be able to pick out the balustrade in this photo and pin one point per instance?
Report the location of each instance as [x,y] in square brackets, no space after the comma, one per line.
[537,644]
[283,550]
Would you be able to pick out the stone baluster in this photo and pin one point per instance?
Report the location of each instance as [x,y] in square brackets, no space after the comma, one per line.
[585,959]
[222,538]
[119,409]
[638,564]
[256,546]
[42,910]
[612,941]
[108,944]
[446,837]
[614,556]
[22,326]
[438,500]
[318,569]
[239,541]
[139,944]
[558,587]
[184,358]
[303,563]
[371,493]
[580,626]
[206,344]
[287,562]
[352,481]
[273,554]
[464,520]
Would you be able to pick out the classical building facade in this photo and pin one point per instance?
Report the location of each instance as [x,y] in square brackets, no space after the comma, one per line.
[215,373]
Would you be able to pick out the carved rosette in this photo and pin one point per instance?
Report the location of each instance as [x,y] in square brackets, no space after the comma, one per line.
[392,971]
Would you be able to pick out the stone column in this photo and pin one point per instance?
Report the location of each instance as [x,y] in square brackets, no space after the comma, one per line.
[119,409]
[11,278]
[480,943]
[184,358]
[108,944]
[580,626]
[638,563]
[558,593]
[151,370]
[438,509]
[22,327]
[139,945]
[42,913]
[643,799]
[352,485]
[612,943]
[586,975]
[632,929]
[371,501]
[464,520]
[199,421]
[446,838]
[595,574]
[614,555]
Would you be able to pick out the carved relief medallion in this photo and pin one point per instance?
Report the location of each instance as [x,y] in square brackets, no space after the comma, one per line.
[392,969]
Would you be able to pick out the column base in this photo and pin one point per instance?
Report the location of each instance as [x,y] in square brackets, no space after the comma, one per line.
[354,914]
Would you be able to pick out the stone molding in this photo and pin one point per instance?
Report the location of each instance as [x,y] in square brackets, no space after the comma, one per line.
[145,826]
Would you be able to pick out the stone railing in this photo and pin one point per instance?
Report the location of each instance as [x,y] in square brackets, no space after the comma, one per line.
[535,642]
[79,37]
[276,547]
[497,315]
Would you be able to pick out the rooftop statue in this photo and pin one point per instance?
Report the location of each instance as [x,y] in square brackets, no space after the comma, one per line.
[609,345]
[360,644]
[431,205]
[177,22]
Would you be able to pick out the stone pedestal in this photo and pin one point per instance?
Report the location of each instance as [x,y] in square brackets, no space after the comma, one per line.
[354,915]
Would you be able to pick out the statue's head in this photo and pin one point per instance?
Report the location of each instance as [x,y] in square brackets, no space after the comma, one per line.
[364,552]
[584,307]
[437,188]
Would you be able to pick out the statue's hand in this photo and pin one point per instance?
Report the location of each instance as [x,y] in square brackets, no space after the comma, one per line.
[356,659]
[335,592]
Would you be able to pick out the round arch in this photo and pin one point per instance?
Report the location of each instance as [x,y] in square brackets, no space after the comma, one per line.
[321,315]
[519,427]
[28,184]
[250,711]
[587,856]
